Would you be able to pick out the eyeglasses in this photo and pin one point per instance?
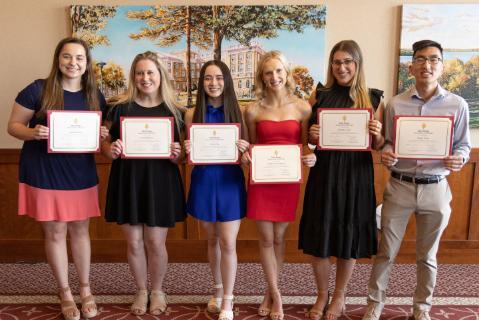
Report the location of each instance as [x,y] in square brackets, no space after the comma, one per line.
[422,60]
[346,62]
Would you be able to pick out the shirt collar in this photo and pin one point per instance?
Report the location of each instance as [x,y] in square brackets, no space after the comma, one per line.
[439,93]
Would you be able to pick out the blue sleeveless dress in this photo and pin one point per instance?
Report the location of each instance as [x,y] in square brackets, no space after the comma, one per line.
[217,192]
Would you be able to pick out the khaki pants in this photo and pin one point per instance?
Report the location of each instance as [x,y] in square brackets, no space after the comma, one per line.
[431,203]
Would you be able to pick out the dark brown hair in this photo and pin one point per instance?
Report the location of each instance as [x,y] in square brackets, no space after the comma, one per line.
[231,106]
[52,95]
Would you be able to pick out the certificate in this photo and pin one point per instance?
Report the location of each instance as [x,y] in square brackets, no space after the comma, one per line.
[214,143]
[73,131]
[145,137]
[426,137]
[276,164]
[344,129]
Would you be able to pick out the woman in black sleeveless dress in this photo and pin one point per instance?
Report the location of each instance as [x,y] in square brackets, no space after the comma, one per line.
[339,218]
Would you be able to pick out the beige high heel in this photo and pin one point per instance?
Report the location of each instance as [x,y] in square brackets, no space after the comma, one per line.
[158,302]
[227,314]
[138,307]
[89,308]
[317,313]
[265,307]
[332,315]
[277,315]
[214,304]
[68,308]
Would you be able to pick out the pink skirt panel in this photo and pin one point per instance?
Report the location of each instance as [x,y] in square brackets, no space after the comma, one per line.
[58,205]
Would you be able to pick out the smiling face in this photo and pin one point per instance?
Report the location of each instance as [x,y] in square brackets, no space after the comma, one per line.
[213,83]
[343,67]
[427,73]
[72,61]
[147,77]
[274,75]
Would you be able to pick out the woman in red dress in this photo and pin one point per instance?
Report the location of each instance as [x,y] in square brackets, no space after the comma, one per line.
[278,117]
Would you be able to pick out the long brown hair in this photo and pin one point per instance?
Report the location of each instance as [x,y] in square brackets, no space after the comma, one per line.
[165,91]
[358,91]
[52,95]
[230,102]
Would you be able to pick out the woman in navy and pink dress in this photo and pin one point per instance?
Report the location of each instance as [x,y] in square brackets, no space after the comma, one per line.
[60,190]
[278,117]
[217,195]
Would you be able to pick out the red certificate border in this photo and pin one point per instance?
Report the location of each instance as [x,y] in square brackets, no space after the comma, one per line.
[319,110]
[396,118]
[50,150]
[213,124]
[252,146]
[123,156]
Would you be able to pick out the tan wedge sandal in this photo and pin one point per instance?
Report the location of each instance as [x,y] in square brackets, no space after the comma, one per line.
[89,308]
[68,307]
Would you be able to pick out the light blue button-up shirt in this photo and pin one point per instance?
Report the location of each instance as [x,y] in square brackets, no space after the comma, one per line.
[442,103]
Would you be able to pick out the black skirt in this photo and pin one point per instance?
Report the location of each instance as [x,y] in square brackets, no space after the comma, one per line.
[339,211]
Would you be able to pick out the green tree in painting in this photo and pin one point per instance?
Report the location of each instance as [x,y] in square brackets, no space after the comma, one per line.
[88,20]
[167,25]
[244,23]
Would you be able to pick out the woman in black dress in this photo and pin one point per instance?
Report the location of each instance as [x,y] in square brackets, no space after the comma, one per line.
[145,196]
[339,218]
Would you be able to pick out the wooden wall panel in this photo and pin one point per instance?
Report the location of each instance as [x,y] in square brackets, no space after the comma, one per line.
[21,237]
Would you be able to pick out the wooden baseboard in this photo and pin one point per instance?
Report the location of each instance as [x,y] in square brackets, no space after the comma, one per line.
[13,251]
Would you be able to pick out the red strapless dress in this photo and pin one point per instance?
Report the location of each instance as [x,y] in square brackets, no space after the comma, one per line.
[275,202]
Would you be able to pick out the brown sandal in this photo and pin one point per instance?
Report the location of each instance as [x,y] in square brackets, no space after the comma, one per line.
[89,308]
[68,307]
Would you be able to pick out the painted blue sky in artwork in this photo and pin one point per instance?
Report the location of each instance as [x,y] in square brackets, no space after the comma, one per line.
[306,49]
[455,26]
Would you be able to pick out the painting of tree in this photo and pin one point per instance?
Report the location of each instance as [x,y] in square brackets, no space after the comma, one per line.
[185,37]
[455,27]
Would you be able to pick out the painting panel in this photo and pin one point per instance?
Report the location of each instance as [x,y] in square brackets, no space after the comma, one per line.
[455,27]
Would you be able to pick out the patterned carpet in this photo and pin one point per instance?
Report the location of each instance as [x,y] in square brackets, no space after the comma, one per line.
[28,291]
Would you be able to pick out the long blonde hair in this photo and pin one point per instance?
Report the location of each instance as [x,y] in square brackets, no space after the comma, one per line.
[358,92]
[52,95]
[260,87]
[166,91]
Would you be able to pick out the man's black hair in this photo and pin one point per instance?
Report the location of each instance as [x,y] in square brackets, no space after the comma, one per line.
[419,45]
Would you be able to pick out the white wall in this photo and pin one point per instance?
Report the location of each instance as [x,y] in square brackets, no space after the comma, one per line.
[30,29]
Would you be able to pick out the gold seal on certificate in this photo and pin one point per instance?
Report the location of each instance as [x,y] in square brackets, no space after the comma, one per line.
[426,137]
[214,143]
[146,137]
[74,131]
[279,163]
[344,129]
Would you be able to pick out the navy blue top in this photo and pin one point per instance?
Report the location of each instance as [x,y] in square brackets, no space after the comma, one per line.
[54,171]
[217,192]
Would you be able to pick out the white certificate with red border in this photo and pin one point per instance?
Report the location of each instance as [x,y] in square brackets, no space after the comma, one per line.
[73,131]
[344,129]
[146,137]
[426,137]
[276,164]
[214,143]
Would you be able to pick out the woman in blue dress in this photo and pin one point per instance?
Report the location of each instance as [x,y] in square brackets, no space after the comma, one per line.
[217,195]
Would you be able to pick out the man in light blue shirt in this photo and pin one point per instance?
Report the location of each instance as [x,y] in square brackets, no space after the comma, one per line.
[418,186]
